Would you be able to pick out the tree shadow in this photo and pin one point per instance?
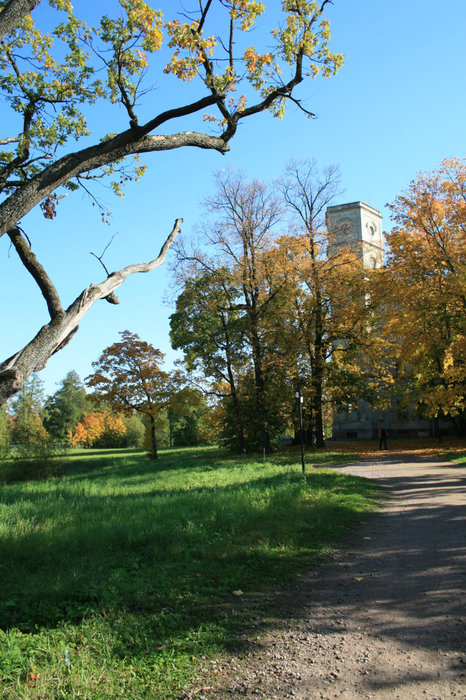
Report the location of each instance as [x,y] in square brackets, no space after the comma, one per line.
[172,560]
[402,578]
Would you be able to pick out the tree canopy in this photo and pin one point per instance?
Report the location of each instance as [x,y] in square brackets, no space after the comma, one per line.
[427,260]
[128,378]
[51,78]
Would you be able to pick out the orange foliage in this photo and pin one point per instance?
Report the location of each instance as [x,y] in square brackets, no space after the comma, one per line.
[94,426]
[426,285]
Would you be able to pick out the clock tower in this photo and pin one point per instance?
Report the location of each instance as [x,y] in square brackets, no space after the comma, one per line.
[357,227]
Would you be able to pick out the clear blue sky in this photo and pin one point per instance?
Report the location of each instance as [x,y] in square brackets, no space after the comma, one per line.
[397,106]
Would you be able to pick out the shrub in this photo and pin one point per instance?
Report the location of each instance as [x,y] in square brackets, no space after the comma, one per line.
[32,461]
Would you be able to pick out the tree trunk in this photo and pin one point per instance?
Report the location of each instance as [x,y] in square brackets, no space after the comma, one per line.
[238,419]
[153,440]
[234,394]
[317,361]
[259,385]
[13,13]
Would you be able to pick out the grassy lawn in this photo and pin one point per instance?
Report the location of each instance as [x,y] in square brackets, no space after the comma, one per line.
[118,576]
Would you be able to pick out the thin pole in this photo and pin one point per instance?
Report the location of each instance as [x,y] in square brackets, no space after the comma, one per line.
[301,431]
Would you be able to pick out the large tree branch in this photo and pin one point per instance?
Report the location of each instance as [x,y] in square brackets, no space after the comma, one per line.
[37,271]
[13,13]
[55,335]
[131,141]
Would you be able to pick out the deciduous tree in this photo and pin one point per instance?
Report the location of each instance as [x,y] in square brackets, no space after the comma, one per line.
[307,191]
[240,236]
[425,287]
[128,378]
[209,330]
[98,429]
[65,408]
[52,80]
[28,428]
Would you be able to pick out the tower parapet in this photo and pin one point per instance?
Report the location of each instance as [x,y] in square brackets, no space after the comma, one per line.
[358,227]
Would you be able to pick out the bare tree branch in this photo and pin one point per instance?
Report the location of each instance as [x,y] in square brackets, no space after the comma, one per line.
[62,326]
[9,139]
[99,257]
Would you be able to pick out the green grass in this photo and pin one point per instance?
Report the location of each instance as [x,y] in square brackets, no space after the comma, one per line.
[118,576]
[455,457]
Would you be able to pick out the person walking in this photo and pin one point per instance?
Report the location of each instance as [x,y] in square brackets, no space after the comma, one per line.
[382,437]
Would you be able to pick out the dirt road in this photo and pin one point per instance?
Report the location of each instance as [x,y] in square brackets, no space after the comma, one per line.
[386,618]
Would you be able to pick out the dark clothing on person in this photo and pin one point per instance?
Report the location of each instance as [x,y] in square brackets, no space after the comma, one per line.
[383,439]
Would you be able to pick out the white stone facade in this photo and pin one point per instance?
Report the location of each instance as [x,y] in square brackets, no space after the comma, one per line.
[358,227]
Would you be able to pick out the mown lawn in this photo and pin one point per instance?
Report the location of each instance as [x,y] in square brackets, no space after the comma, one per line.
[117,577]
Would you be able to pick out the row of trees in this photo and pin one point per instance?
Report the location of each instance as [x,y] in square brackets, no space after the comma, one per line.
[262,311]
[74,417]
[68,417]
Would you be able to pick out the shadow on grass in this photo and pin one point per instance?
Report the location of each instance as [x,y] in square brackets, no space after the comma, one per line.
[98,463]
[160,565]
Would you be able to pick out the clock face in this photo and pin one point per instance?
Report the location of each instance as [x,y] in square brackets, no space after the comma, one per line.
[343,227]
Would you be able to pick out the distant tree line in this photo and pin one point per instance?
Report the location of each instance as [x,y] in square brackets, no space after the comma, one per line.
[71,417]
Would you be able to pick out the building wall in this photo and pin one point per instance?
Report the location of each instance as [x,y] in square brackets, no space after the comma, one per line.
[358,227]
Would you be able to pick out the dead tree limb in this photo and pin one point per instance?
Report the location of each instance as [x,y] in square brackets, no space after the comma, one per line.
[53,336]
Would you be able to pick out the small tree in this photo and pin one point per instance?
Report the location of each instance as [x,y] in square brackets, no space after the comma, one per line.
[65,408]
[128,378]
[27,412]
[33,456]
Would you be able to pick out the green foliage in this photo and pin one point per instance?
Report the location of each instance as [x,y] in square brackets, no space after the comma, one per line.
[28,433]
[190,419]
[135,430]
[29,452]
[65,408]
[116,579]
[5,430]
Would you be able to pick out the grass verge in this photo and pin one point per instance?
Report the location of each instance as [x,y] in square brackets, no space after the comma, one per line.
[117,577]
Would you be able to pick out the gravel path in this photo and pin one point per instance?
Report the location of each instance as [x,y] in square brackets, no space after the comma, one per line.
[385,619]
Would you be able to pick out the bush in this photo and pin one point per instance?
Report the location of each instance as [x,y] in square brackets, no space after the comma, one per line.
[31,461]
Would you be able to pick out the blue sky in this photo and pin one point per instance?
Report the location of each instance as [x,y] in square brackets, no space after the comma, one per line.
[396,107]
